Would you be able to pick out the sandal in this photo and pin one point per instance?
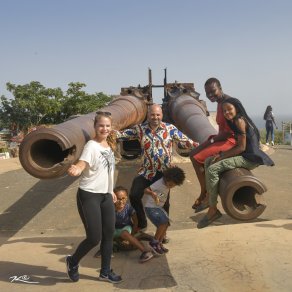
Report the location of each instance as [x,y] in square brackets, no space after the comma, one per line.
[205,221]
[198,202]
[202,206]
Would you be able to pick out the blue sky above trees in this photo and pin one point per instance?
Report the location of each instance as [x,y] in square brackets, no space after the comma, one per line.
[110,44]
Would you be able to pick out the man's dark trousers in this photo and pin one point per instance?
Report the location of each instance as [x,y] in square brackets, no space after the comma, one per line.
[140,183]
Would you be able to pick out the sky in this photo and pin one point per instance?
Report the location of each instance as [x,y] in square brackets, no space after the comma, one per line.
[107,44]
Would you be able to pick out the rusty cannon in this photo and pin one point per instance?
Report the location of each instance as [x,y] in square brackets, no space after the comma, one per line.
[48,152]
[240,191]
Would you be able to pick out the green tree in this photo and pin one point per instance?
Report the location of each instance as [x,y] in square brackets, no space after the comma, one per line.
[33,104]
[77,101]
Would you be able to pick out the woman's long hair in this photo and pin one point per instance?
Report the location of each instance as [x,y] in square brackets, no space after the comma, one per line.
[268,109]
[111,138]
[240,112]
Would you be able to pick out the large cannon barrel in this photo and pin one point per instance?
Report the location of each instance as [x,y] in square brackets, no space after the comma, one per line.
[239,187]
[189,115]
[48,152]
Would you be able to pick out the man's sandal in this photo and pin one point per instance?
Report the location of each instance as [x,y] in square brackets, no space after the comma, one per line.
[205,221]
[202,206]
[198,202]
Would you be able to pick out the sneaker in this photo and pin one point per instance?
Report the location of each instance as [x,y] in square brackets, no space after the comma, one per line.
[164,249]
[145,256]
[272,143]
[267,144]
[155,247]
[110,277]
[72,271]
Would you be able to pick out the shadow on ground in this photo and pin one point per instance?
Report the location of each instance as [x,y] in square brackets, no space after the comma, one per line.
[34,200]
[151,275]
[285,226]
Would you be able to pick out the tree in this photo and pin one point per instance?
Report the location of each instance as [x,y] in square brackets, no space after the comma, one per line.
[33,104]
[78,101]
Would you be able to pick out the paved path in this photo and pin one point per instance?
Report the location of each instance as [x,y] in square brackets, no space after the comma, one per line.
[40,225]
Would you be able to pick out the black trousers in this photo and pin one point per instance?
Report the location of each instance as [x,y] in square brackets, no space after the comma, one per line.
[97,213]
[140,183]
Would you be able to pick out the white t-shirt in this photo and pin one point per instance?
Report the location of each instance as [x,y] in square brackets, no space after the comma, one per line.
[270,116]
[161,190]
[99,176]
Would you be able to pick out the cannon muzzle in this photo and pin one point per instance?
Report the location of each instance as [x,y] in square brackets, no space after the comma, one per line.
[239,191]
[48,152]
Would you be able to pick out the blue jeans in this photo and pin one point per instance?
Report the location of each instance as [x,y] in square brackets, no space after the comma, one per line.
[270,131]
[157,216]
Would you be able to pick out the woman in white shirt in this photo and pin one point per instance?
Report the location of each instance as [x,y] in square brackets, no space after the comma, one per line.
[95,199]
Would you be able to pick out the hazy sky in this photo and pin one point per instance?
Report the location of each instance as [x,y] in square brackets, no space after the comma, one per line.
[110,44]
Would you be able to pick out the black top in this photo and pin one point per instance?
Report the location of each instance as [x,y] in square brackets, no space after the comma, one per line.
[252,151]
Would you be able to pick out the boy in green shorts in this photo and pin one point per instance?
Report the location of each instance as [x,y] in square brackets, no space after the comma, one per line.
[125,220]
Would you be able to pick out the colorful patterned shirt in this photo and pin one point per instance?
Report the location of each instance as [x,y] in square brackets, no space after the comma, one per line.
[156,145]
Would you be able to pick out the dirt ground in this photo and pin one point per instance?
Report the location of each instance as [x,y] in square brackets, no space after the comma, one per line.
[9,164]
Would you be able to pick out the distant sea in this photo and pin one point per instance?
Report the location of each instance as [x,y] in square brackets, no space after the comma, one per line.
[260,122]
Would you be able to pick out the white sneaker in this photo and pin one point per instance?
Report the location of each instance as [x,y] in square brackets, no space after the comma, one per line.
[272,143]
[145,256]
[267,143]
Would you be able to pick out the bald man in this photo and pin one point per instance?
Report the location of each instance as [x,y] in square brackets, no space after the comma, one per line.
[156,140]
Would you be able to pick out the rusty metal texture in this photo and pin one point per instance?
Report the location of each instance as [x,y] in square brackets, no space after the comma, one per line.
[48,152]
[188,113]
[239,187]
[239,191]
[189,116]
